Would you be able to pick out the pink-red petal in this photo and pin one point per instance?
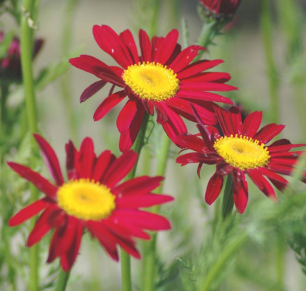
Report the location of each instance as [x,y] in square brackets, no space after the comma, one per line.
[92,89]
[213,189]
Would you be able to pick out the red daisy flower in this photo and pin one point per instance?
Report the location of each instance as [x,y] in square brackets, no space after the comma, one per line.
[224,7]
[240,149]
[161,78]
[92,199]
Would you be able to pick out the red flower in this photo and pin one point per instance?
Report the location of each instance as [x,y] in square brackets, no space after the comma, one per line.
[92,199]
[225,7]
[240,149]
[10,65]
[161,78]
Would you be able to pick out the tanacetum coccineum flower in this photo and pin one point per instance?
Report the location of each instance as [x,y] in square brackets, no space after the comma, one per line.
[92,199]
[160,79]
[224,7]
[240,149]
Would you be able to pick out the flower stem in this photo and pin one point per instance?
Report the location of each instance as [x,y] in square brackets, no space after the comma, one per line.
[26,45]
[149,260]
[228,201]
[62,280]
[228,252]
[266,30]
[208,33]
[125,258]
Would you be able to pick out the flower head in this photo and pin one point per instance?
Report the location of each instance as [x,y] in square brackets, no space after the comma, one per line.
[91,199]
[239,149]
[160,79]
[10,64]
[221,7]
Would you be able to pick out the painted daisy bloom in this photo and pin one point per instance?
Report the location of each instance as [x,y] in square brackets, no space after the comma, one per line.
[160,79]
[224,7]
[239,150]
[92,199]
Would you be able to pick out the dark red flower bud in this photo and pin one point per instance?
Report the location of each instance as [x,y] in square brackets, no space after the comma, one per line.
[225,7]
[10,64]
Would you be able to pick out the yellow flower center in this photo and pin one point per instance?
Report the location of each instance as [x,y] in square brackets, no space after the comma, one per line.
[86,199]
[151,81]
[242,152]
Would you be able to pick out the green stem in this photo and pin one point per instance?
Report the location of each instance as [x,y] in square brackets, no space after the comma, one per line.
[125,258]
[280,263]
[154,22]
[266,30]
[228,201]
[208,33]
[149,260]
[3,96]
[223,258]
[62,280]
[65,84]
[26,44]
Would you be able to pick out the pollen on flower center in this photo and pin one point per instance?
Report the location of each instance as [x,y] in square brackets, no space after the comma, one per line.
[151,81]
[86,199]
[242,152]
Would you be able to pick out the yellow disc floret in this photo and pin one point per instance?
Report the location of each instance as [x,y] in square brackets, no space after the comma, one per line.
[151,81]
[86,199]
[242,152]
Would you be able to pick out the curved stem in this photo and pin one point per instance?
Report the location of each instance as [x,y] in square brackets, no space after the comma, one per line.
[228,252]
[149,260]
[125,258]
[26,45]
[62,280]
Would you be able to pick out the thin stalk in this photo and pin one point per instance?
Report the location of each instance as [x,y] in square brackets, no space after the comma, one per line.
[272,73]
[125,258]
[65,84]
[155,6]
[208,33]
[149,260]
[223,258]
[4,93]
[228,201]
[26,44]
[62,280]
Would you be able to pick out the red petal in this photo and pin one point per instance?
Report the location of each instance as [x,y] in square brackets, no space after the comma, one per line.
[223,168]
[71,158]
[213,189]
[127,140]
[140,201]
[262,184]
[129,41]
[99,69]
[68,259]
[111,43]
[36,179]
[120,168]
[132,229]
[143,219]
[208,77]
[251,123]
[268,132]
[240,192]
[108,103]
[86,158]
[91,90]
[139,185]
[206,96]
[103,162]
[206,86]
[50,159]
[28,212]
[98,230]
[126,116]
[283,148]
[185,57]
[191,142]
[145,46]
[197,67]
[168,46]
[207,158]
[41,228]
[278,181]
